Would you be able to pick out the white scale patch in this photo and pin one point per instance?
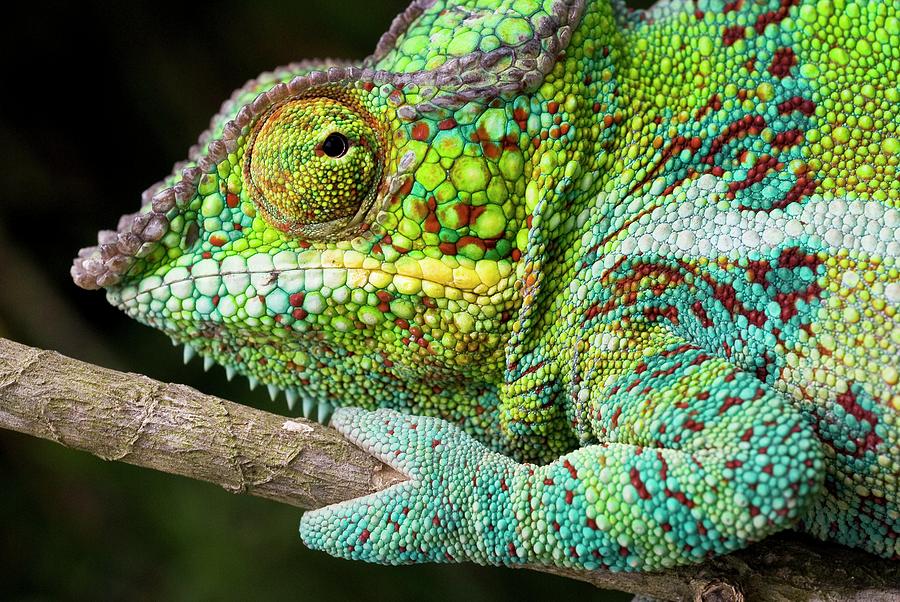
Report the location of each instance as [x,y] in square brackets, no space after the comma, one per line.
[701,227]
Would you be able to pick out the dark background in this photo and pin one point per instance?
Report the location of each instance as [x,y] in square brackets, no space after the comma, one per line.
[98,100]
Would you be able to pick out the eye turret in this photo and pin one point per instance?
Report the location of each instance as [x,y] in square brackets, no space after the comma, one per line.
[312,166]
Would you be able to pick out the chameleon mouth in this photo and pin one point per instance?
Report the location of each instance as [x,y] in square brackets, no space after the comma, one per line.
[297,271]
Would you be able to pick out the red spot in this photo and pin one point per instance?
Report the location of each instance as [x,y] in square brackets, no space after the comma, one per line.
[670,313]
[477,242]
[714,103]
[490,150]
[615,419]
[432,224]
[520,116]
[735,130]
[570,468]
[701,314]
[693,425]
[755,174]
[364,536]
[729,403]
[804,187]
[797,103]
[638,484]
[447,124]
[421,131]
[787,139]
[732,34]
[775,16]
[782,62]
[680,498]
[848,401]
[569,496]
[232,200]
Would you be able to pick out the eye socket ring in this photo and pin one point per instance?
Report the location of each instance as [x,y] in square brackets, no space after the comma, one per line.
[335,145]
[304,185]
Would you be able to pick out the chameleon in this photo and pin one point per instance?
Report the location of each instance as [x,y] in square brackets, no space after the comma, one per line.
[616,289]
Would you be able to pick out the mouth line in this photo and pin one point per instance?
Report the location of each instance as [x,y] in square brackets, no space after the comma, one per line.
[274,275]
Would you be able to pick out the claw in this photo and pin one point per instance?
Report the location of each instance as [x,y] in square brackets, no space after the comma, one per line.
[208,363]
[229,373]
[308,404]
[252,381]
[273,391]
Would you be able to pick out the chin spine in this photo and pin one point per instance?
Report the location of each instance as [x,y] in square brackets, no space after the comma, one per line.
[189,353]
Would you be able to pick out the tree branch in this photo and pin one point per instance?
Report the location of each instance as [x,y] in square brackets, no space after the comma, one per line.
[176,429]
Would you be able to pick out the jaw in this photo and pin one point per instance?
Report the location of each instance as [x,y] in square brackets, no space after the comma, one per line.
[331,327]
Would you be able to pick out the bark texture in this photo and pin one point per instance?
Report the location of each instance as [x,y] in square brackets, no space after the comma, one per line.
[176,429]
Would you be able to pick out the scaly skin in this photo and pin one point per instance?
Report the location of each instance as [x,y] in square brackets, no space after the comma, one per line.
[615,289]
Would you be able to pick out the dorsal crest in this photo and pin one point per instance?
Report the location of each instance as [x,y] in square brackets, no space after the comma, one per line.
[476,49]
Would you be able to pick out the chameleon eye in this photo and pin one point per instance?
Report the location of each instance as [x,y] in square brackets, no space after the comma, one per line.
[335,145]
[293,172]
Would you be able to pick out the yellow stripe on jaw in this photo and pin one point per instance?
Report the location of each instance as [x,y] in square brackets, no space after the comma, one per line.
[474,281]
[410,275]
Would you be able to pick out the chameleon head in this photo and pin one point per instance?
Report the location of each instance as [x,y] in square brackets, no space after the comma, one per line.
[341,229]
[330,232]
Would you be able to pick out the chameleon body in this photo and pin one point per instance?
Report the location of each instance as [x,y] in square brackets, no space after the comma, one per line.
[615,289]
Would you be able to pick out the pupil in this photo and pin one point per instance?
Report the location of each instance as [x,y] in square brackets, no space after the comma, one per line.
[335,145]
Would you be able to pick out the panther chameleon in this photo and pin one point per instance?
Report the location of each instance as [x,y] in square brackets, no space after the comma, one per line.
[615,289]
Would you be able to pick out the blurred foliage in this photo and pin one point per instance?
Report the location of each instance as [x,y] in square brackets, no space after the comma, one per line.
[99,100]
